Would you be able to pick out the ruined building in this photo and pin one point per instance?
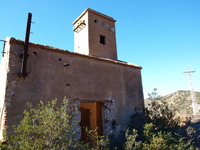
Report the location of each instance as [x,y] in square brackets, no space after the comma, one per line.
[103,92]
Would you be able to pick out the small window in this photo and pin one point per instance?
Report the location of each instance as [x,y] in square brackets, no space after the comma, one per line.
[102,40]
[102,23]
[95,21]
[108,26]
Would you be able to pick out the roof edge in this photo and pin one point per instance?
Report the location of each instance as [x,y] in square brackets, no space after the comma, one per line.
[46,47]
[95,12]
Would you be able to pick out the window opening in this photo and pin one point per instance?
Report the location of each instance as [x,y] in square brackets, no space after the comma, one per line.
[102,40]
[95,21]
[102,23]
[108,26]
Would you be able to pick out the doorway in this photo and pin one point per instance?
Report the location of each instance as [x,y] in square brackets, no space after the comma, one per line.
[91,117]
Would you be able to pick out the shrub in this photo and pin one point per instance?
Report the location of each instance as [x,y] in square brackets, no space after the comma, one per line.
[49,127]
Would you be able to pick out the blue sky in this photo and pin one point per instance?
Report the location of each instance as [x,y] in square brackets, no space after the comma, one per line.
[162,36]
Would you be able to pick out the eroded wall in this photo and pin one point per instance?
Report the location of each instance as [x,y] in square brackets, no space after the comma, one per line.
[56,74]
[4,69]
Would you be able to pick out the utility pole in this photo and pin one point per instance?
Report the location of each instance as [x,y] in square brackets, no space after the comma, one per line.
[194,101]
[25,52]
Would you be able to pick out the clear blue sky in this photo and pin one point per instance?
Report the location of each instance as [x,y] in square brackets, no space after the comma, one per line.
[163,36]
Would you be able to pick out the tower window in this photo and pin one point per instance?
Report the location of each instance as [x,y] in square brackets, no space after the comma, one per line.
[102,23]
[108,26]
[95,21]
[102,39]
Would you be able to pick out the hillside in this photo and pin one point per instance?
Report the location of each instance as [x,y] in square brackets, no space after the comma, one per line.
[180,100]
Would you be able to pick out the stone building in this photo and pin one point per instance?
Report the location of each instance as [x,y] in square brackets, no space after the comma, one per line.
[103,91]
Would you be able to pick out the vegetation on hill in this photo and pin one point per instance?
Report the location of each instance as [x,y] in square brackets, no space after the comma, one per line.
[180,100]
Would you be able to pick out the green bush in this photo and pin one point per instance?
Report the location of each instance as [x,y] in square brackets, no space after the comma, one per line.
[161,115]
[158,128]
[156,140]
[49,127]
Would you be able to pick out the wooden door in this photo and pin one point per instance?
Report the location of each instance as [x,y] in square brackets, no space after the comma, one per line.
[85,122]
[91,117]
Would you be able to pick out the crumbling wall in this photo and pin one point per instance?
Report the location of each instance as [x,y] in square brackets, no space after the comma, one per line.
[109,115]
[3,83]
[76,116]
[10,64]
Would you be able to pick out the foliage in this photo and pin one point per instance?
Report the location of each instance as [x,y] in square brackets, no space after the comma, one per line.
[160,114]
[156,140]
[47,127]
[117,138]
[164,140]
[180,100]
[154,95]
[131,143]
[44,127]
[96,141]
[161,128]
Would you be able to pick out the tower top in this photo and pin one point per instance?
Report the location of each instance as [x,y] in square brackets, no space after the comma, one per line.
[95,12]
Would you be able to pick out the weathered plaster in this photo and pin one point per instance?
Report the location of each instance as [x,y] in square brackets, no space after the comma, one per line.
[85,78]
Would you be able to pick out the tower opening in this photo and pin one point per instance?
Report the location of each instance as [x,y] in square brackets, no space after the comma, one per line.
[102,40]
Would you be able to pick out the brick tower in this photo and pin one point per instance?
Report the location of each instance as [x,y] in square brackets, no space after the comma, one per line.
[94,34]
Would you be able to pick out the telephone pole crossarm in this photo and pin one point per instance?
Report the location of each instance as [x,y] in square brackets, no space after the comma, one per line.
[195,106]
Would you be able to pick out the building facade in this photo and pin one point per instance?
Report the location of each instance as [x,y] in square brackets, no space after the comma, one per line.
[103,92]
